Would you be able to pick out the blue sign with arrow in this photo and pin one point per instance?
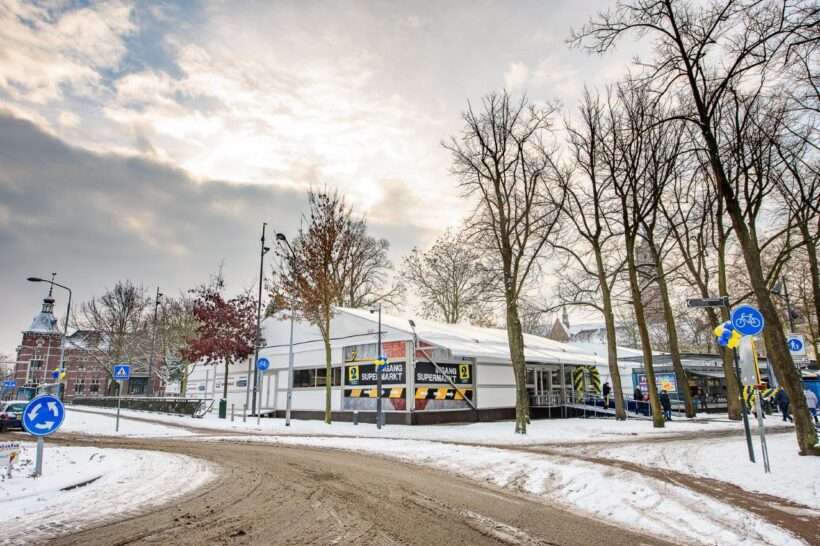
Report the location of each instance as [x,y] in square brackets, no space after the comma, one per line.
[43,415]
[122,372]
[747,320]
[262,364]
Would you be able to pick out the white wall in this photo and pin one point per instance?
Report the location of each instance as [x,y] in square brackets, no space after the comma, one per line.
[496,397]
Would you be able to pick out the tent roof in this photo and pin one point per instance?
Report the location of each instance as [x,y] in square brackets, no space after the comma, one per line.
[483,343]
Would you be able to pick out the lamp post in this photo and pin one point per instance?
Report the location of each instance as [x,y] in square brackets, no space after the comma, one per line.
[264,250]
[280,238]
[785,296]
[379,359]
[150,385]
[65,328]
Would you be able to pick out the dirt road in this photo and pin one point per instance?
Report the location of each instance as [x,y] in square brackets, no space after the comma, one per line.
[284,495]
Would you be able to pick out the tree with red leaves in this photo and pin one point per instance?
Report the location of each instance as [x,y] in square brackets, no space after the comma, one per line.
[225,330]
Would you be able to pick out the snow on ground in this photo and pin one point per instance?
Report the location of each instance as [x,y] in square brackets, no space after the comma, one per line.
[35,509]
[793,477]
[544,431]
[104,424]
[618,496]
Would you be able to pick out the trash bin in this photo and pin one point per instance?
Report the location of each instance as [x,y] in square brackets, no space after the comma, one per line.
[223,408]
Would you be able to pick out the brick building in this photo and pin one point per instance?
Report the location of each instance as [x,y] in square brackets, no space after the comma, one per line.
[38,356]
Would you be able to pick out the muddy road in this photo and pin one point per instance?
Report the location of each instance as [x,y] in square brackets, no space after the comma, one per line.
[286,495]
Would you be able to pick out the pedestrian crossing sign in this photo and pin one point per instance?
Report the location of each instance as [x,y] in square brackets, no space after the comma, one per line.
[122,372]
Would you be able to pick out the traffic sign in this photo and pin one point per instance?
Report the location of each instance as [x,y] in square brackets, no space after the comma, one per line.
[122,372]
[43,415]
[262,364]
[708,302]
[380,362]
[9,384]
[747,320]
[797,346]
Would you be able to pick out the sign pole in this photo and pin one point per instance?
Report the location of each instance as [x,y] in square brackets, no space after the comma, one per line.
[119,397]
[38,464]
[761,427]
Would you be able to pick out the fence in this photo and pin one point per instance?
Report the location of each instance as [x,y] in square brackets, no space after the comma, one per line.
[180,406]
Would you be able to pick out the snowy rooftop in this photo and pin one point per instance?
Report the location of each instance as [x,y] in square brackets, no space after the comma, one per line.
[487,343]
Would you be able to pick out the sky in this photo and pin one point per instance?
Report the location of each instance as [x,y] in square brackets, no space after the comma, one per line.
[150,140]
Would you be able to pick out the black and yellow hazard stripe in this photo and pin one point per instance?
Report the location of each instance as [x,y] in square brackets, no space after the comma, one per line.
[443,393]
[578,379]
[750,394]
[392,392]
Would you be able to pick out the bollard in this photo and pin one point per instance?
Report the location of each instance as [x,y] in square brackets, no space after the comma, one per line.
[232,408]
[258,416]
[244,413]
[355,417]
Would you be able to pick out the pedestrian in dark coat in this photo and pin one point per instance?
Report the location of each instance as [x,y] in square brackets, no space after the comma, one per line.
[638,394]
[606,390]
[666,404]
[782,401]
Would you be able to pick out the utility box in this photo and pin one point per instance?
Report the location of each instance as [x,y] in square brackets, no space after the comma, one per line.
[223,408]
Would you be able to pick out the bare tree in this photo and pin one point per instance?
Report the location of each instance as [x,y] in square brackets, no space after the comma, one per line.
[502,160]
[317,271]
[590,208]
[367,272]
[703,52]
[628,155]
[114,328]
[451,280]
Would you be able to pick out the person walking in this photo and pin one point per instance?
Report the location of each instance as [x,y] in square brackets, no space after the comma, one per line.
[811,402]
[606,390]
[782,400]
[666,404]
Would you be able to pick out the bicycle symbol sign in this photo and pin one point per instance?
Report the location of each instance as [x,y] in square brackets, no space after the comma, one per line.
[747,320]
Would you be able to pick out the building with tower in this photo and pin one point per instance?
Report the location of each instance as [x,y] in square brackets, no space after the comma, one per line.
[87,372]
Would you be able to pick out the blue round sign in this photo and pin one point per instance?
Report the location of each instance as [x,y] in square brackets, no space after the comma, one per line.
[262,364]
[795,345]
[43,415]
[747,320]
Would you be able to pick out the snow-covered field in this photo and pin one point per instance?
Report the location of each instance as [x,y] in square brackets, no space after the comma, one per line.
[793,477]
[124,482]
[103,424]
[554,431]
[613,495]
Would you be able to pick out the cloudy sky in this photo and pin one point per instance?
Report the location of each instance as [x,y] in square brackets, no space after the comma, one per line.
[150,140]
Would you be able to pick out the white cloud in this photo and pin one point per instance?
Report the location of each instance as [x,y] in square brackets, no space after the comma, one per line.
[516,76]
[42,53]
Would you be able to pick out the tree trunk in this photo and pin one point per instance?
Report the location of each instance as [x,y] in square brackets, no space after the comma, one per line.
[640,319]
[515,337]
[183,381]
[733,408]
[777,350]
[225,383]
[328,374]
[672,334]
[611,338]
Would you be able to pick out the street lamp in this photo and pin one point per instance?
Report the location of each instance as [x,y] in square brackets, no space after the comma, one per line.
[65,328]
[150,386]
[776,290]
[379,358]
[280,238]
[264,250]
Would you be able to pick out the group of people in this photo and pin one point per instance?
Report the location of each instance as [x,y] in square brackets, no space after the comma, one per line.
[781,399]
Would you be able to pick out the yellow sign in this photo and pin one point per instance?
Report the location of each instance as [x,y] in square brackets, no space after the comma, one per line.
[352,374]
[464,371]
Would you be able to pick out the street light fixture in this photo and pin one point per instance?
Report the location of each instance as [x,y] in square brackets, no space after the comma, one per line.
[150,386]
[281,238]
[65,328]
[379,358]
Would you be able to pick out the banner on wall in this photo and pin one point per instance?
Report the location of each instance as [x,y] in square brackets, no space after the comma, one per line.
[664,381]
[460,374]
[365,374]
